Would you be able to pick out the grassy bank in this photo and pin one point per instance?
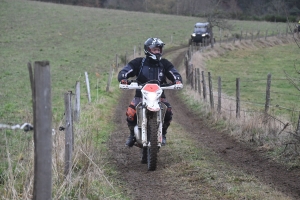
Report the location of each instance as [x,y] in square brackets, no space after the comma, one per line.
[252,66]
[251,62]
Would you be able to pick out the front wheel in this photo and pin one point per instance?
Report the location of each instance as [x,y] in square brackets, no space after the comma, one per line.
[153,148]
[144,155]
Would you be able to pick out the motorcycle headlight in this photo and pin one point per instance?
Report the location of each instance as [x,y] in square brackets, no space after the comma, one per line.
[152,96]
[194,34]
[203,35]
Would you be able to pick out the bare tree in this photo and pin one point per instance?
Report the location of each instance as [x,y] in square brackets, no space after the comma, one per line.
[277,7]
[292,80]
[234,8]
[217,18]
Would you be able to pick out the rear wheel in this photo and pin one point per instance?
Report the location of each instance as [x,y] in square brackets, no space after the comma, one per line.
[153,148]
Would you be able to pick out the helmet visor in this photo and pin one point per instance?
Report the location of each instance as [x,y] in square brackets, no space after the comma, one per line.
[155,49]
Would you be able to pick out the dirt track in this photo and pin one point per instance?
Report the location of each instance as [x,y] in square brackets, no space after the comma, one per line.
[147,185]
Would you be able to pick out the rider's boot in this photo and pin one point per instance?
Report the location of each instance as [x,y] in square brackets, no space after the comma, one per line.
[164,132]
[131,139]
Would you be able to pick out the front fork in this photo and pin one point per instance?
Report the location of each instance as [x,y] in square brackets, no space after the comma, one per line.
[143,124]
[144,127]
[160,125]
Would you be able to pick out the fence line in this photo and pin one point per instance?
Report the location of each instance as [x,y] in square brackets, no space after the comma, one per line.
[255,103]
[193,79]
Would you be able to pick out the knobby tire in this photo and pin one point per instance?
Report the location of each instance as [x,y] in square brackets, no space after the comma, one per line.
[153,149]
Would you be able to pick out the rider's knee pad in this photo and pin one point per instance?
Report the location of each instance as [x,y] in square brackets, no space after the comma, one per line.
[131,113]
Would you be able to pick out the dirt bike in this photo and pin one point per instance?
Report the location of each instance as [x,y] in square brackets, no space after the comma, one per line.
[150,118]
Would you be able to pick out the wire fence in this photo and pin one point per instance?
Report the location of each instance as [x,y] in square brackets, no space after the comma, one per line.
[252,97]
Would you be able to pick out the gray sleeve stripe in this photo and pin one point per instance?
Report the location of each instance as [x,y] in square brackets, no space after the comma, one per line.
[175,78]
[128,73]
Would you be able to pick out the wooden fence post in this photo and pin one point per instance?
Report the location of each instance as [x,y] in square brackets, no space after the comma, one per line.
[42,107]
[140,48]
[68,136]
[211,94]
[219,94]
[186,59]
[199,81]
[220,31]
[238,114]
[268,93]
[77,102]
[88,86]
[191,77]
[212,39]
[32,85]
[109,79]
[196,80]
[204,86]
[298,126]
[117,64]
[241,36]
[257,35]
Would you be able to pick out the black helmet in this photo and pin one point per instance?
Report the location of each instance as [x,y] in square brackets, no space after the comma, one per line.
[151,43]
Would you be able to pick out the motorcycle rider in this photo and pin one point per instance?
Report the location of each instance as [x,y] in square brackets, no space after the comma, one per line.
[151,67]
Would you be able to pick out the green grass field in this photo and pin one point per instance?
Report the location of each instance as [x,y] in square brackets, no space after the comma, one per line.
[75,40]
[252,67]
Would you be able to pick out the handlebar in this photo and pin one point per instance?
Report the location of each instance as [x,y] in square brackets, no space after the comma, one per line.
[135,85]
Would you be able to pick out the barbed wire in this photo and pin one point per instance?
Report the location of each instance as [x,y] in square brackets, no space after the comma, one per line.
[290,94]
[257,103]
[277,105]
[215,78]
[255,111]
[255,91]
[26,126]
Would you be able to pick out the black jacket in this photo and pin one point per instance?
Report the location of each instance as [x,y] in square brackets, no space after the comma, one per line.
[146,69]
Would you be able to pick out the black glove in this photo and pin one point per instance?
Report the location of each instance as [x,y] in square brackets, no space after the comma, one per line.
[124,81]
